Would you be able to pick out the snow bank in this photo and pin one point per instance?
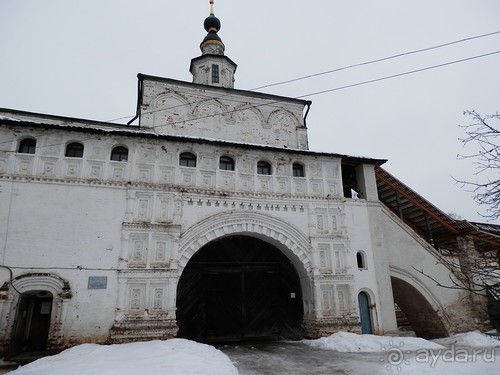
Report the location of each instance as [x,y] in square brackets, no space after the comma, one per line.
[175,356]
[474,339]
[354,343]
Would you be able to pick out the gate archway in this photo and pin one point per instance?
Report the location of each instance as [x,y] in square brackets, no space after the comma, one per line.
[239,287]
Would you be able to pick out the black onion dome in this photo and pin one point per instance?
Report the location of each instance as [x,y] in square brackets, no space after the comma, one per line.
[211,36]
[212,24]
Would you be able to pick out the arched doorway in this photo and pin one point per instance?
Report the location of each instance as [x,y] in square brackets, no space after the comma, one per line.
[420,314]
[365,313]
[32,323]
[239,288]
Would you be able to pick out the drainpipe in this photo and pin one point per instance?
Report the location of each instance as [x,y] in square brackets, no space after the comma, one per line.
[308,103]
[139,98]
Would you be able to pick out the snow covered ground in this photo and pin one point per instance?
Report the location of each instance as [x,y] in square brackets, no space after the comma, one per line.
[176,356]
[346,353]
[465,353]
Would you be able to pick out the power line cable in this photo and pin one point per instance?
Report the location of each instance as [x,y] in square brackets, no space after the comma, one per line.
[314,93]
[369,62]
[397,75]
[377,60]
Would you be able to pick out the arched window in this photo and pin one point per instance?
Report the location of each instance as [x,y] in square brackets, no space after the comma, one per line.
[298,170]
[263,167]
[187,159]
[119,153]
[361,260]
[27,146]
[226,163]
[74,150]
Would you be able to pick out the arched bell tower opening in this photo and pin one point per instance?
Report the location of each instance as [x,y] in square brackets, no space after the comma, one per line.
[239,288]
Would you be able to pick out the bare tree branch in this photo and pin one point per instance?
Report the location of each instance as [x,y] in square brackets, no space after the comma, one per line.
[483,135]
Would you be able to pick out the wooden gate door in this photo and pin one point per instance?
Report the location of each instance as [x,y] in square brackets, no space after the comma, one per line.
[31,327]
[18,331]
[40,324]
[239,288]
[223,305]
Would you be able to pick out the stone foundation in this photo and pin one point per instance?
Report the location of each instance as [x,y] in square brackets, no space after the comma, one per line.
[142,330]
[315,328]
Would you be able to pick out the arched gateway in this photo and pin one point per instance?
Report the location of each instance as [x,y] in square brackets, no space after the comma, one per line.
[249,281]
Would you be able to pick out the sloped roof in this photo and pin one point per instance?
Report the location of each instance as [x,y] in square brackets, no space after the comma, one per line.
[432,224]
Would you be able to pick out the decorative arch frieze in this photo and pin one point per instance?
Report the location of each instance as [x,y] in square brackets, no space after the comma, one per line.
[170,109]
[209,107]
[169,95]
[244,107]
[282,117]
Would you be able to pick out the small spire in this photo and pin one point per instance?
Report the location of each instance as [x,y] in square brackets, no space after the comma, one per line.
[212,44]
[213,67]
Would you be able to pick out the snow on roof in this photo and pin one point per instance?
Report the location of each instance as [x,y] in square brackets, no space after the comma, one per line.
[44,120]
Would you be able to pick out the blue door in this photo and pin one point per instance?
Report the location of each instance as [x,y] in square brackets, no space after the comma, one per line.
[364,313]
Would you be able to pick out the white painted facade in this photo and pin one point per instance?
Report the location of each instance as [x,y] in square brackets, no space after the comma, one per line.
[66,220]
[138,222]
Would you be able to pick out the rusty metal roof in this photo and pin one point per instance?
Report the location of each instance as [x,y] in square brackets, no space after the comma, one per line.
[432,224]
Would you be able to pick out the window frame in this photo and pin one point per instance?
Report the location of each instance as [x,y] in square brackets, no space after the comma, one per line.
[361,260]
[215,73]
[227,162]
[27,146]
[298,167]
[71,148]
[187,159]
[120,154]
[263,167]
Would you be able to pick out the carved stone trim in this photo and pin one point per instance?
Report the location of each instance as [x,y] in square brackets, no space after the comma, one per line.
[291,239]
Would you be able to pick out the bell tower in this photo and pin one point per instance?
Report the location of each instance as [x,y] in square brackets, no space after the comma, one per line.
[213,68]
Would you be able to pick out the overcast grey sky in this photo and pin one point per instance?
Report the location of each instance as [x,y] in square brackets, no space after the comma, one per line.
[81,58]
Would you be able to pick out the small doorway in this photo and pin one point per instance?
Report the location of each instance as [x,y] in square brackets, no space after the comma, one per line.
[32,324]
[364,313]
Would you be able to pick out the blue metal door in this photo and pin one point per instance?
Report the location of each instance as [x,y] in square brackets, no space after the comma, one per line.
[364,313]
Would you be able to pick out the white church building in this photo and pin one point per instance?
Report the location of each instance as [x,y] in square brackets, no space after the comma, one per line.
[209,219]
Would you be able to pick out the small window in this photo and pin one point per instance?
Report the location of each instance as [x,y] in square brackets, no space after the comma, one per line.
[360,259]
[263,167]
[74,150]
[27,146]
[226,163]
[215,73]
[119,153]
[187,159]
[298,170]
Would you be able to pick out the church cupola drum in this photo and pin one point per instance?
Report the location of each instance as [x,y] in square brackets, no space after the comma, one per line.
[213,67]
